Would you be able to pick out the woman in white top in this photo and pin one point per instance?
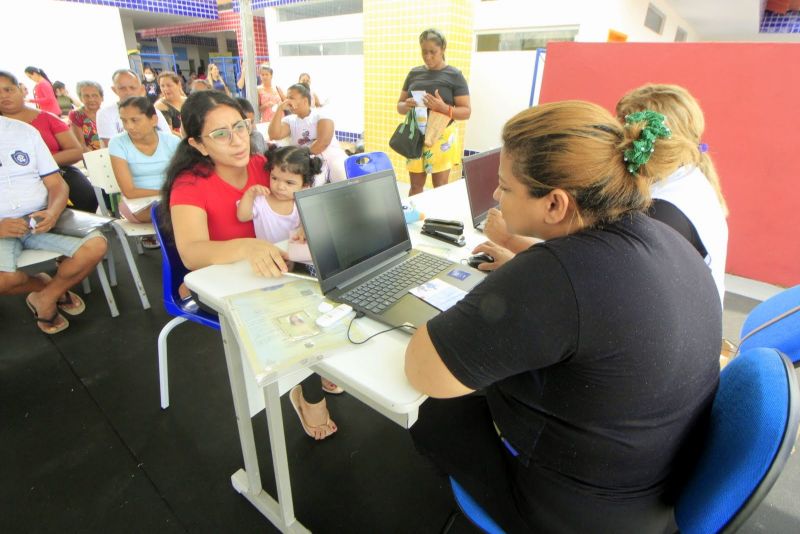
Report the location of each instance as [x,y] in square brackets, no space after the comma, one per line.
[312,128]
[689,199]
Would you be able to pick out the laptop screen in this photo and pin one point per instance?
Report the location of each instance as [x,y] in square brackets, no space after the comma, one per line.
[480,173]
[353,225]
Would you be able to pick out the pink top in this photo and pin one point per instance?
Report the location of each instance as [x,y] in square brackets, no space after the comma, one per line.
[45,97]
[49,125]
[271,226]
[266,101]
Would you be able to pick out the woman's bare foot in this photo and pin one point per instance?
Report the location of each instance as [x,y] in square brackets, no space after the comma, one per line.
[315,418]
[330,387]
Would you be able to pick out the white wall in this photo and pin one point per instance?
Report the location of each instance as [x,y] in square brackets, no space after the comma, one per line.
[509,74]
[337,79]
[38,34]
[593,18]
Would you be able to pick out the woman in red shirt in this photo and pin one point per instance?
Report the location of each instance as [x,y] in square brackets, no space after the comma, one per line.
[58,137]
[209,173]
[43,94]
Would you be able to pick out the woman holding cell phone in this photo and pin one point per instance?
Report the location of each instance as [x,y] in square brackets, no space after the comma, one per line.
[442,88]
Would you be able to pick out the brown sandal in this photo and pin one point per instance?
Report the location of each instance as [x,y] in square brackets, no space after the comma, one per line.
[48,322]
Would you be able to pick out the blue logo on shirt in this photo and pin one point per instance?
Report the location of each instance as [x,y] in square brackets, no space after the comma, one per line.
[21,158]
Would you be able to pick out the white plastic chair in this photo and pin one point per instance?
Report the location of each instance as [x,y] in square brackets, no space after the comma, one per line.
[101,176]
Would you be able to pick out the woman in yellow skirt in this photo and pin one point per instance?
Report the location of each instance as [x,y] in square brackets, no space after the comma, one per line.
[446,92]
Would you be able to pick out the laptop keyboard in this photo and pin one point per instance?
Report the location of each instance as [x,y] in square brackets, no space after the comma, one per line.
[384,290]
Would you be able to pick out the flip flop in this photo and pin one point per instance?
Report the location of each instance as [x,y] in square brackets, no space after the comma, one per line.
[330,387]
[69,303]
[51,321]
[328,427]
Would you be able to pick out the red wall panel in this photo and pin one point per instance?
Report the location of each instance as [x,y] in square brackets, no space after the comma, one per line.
[749,94]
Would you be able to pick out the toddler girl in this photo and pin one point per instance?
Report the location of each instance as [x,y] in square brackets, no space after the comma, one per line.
[272,210]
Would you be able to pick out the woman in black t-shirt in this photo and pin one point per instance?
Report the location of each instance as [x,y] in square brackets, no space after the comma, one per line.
[592,355]
[446,92]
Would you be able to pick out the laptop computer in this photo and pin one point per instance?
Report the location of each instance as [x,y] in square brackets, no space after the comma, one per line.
[480,174]
[362,252]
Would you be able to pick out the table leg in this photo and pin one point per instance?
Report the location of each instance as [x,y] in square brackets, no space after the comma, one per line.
[248,481]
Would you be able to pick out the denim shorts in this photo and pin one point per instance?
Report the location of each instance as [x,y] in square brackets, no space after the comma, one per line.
[12,247]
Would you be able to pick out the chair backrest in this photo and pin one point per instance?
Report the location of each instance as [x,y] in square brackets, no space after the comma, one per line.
[784,333]
[752,430]
[366,163]
[172,272]
[98,165]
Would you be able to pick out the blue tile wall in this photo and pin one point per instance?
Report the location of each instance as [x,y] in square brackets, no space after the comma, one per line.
[258,4]
[777,23]
[347,137]
[206,9]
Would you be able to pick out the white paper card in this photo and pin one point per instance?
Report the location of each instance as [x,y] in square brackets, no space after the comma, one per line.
[438,294]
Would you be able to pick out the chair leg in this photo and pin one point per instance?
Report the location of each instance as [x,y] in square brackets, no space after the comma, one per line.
[139,248]
[137,280]
[163,370]
[112,304]
[87,286]
[112,268]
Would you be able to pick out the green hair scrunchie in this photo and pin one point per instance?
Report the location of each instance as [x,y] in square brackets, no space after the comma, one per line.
[643,147]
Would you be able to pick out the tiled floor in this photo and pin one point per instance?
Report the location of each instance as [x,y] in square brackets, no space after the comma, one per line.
[86,448]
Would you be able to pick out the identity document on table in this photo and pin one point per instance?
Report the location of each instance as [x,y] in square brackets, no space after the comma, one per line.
[277,331]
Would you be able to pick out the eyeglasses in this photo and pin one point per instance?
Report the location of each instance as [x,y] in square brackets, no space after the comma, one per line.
[225,135]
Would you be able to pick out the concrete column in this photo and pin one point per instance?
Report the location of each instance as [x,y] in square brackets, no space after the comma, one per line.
[222,43]
[164,45]
[128,33]
[391,49]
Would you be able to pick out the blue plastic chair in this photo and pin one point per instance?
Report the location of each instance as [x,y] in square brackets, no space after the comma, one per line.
[473,511]
[366,163]
[172,272]
[752,430]
[782,334]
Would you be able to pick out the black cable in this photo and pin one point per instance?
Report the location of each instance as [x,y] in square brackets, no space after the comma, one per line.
[359,315]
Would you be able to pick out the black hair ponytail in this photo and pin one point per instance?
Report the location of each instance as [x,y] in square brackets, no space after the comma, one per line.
[37,70]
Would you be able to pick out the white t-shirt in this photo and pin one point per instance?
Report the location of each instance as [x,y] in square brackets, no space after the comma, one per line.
[24,161]
[688,190]
[109,124]
[304,131]
[271,226]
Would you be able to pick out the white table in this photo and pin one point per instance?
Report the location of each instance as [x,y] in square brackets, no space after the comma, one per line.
[373,372]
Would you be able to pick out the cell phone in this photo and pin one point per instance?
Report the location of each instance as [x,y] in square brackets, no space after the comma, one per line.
[457,240]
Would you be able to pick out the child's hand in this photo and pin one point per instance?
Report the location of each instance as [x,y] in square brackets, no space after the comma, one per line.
[257,190]
[298,235]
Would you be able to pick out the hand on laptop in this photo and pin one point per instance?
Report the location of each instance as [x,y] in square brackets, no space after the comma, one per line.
[501,255]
